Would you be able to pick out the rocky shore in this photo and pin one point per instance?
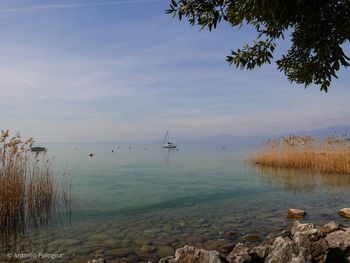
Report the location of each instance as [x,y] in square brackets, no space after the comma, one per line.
[303,242]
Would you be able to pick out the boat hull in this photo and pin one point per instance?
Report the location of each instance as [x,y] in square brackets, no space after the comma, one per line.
[38,149]
[167,146]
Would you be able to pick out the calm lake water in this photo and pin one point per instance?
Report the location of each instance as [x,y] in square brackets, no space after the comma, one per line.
[202,195]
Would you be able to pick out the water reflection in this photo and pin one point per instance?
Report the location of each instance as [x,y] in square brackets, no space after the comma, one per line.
[298,181]
[167,153]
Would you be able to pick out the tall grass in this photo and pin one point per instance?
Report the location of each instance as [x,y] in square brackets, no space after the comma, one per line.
[330,155]
[30,195]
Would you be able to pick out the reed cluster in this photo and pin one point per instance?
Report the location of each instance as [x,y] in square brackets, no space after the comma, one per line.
[330,155]
[30,195]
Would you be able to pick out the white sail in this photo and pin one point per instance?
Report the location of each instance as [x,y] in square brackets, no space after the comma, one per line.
[166,142]
[165,137]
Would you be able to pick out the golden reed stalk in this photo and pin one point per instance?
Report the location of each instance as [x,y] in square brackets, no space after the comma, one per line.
[30,196]
[330,155]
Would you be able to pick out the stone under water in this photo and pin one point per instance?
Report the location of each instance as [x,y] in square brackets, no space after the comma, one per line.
[296,213]
[344,212]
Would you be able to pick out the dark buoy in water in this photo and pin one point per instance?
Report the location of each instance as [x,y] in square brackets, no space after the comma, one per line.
[91,155]
[112,151]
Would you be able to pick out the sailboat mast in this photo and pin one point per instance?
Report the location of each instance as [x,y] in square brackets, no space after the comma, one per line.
[167,132]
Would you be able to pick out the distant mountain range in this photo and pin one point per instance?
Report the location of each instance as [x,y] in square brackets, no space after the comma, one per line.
[324,132]
[236,139]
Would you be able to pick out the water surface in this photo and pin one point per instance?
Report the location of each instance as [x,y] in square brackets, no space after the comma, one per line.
[204,195]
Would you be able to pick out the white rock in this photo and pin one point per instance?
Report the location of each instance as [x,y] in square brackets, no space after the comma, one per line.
[330,227]
[339,239]
[301,227]
[189,254]
[281,251]
[239,254]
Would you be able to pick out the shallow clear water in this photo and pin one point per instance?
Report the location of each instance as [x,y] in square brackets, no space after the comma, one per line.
[202,195]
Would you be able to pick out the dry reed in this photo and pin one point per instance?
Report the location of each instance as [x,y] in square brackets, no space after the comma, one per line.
[330,155]
[30,196]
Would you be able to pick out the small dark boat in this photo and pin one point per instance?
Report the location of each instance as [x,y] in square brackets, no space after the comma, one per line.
[38,149]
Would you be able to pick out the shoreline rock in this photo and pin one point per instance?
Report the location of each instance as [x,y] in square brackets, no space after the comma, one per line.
[344,212]
[296,213]
[329,228]
[191,254]
[303,243]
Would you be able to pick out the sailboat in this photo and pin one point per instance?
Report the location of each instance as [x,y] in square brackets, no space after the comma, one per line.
[166,143]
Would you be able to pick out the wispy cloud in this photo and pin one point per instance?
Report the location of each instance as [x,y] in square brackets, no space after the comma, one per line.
[63,6]
[125,73]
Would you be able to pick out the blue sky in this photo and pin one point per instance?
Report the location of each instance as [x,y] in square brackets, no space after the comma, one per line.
[86,70]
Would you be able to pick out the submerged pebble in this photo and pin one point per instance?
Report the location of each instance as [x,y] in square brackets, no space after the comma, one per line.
[98,237]
[251,237]
[148,249]
[215,244]
[141,241]
[164,251]
[120,252]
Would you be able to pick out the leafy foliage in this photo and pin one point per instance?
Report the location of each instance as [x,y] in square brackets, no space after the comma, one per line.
[319,30]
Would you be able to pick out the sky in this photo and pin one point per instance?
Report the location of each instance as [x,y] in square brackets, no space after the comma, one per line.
[88,70]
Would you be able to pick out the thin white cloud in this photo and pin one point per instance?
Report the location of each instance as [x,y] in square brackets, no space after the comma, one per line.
[125,79]
[62,6]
